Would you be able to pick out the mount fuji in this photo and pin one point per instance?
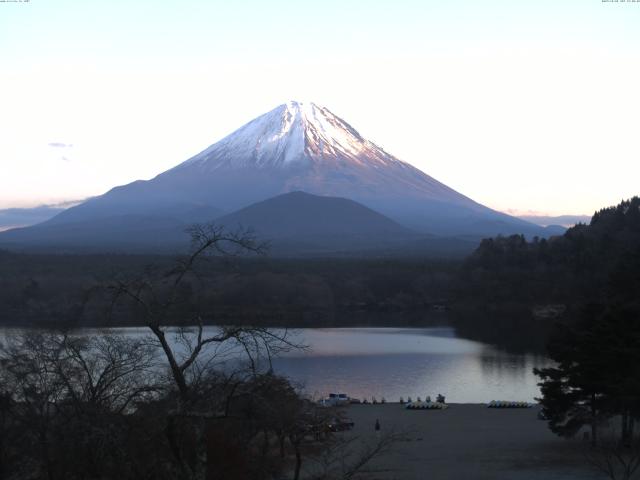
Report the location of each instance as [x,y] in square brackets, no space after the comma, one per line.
[295,147]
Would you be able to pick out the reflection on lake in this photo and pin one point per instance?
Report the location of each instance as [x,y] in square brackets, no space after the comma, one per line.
[398,362]
[390,363]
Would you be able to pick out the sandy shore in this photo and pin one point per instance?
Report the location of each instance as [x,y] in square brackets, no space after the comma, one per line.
[470,442]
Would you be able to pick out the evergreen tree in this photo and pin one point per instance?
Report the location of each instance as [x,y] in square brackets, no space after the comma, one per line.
[574,392]
[598,361]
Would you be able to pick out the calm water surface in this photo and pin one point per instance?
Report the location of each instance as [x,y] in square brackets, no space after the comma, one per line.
[402,362]
[390,363]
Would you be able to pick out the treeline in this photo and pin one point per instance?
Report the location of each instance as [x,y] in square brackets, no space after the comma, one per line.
[517,289]
[567,268]
[63,289]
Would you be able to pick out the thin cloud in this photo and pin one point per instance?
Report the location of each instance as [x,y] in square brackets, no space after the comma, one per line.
[66,203]
[60,145]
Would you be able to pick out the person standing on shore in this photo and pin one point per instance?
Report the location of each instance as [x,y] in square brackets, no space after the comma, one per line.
[377,426]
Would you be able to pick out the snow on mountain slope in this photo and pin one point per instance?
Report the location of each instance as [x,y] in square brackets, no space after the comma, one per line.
[291,133]
[317,152]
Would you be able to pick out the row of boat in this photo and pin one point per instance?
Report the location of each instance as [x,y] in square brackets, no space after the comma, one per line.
[337,399]
[508,404]
[426,406]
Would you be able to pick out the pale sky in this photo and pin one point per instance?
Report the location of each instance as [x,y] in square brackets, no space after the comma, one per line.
[522,105]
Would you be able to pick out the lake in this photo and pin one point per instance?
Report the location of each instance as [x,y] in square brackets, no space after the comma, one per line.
[402,362]
[395,362]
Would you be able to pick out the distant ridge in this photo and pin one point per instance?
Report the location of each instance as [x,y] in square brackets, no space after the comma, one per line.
[562,220]
[23,217]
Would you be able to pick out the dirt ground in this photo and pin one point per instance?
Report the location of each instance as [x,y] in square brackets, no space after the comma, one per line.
[470,442]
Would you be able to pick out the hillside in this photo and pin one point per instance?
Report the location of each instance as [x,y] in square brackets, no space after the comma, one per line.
[510,285]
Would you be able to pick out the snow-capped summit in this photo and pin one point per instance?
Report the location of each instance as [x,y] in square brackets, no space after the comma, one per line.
[293,134]
[303,146]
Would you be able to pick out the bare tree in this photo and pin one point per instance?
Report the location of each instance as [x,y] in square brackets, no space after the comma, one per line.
[158,298]
[167,301]
[35,387]
[351,457]
[66,398]
[618,459]
[107,372]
